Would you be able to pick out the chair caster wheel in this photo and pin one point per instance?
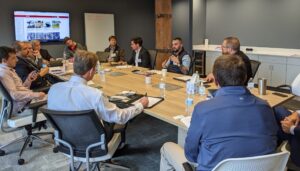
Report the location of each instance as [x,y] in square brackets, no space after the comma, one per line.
[55,150]
[21,161]
[30,144]
[2,152]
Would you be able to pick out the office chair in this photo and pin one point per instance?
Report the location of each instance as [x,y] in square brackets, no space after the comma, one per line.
[268,162]
[191,69]
[153,54]
[82,138]
[254,67]
[10,123]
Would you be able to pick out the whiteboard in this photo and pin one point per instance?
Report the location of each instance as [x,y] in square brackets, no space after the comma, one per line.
[98,27]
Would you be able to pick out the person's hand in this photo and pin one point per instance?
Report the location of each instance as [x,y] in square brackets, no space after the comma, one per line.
[174,59]
[32,76]
[144,101]
[45,62]
[41,95]
[44,71]
[286,125]
[210,78]
[294,118]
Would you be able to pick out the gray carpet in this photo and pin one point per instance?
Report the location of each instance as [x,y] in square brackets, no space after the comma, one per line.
[145,135]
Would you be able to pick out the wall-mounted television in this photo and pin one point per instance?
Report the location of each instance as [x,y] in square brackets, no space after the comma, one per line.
[43,26]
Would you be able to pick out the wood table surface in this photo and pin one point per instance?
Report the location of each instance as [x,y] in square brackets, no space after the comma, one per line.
[174,103]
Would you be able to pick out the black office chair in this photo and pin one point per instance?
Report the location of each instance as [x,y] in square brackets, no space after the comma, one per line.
[10,123]
[82,138]
[191,69]
[153,54]
[254,67]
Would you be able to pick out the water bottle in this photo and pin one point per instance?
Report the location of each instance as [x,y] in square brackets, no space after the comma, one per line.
[196,81]
[190,97]
[162,87]
[65,55]
[202,89]
[98,67]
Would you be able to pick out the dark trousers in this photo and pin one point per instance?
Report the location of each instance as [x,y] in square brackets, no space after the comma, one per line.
[294,142]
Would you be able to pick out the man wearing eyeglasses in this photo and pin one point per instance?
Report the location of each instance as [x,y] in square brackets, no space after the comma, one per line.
[231,46]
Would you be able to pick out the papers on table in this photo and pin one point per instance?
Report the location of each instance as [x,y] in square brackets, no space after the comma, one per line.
[152,101]
[155,72]
[183,78]
[124,66]
[186,120]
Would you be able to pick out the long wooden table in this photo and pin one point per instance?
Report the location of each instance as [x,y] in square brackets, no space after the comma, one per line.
[174,103]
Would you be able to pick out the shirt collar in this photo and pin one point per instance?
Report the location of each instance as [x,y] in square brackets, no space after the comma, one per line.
[138,50]
[4,66]
[78,79]
[232,90]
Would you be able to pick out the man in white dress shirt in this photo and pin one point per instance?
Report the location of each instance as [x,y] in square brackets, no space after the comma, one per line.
[18,90]
[75,94]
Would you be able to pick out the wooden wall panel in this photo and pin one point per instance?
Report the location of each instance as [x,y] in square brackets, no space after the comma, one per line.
[163,24]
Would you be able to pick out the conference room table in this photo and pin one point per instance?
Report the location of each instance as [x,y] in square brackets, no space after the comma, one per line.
[123,79]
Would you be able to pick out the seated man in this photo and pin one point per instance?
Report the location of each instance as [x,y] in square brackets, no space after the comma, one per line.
[18,90]
[75,94]
[71,48]
[231,46]
[25,66]
[290,127]
[115,52]
[180,60]
[140,56]
[233,124]
[38,52]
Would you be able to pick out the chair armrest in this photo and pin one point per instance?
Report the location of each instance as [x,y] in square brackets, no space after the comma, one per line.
[35,107]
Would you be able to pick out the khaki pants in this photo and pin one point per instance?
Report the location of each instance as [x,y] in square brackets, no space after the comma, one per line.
[172,157]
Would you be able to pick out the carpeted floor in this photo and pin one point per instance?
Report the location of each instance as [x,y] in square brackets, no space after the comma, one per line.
[145,135]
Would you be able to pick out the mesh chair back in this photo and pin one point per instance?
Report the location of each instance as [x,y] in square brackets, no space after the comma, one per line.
[79,128]
[7,102]
[269,162]
[254,66]
[153,54]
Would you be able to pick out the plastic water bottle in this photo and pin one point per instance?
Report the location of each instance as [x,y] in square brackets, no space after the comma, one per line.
[202,89]
[98,67]
[65,55]
[190,97]
[196,81]
[162,87]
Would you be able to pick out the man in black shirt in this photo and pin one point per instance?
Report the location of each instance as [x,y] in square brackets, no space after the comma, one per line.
[231,46]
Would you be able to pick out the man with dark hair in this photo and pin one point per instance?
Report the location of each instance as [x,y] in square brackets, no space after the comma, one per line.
[116,54]
[75,94]
[140,56]
[71,48]
[18,90]
[233,124]
[180,61]
[25,66]
[231,46]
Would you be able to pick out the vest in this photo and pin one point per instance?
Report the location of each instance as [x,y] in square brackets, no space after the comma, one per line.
[175,68]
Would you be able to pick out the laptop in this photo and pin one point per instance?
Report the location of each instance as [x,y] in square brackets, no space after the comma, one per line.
[102,56]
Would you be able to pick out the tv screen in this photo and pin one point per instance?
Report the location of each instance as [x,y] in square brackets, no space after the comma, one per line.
[43,26]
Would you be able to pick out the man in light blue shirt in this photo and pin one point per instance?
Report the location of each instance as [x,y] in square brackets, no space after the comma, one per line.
[75,94]
[180,61]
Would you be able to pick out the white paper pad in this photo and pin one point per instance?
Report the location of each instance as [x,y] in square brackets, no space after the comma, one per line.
[152,101]
[186,121]
[124,66]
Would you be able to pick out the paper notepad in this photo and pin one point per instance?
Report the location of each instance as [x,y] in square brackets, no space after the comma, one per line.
[152,101]
[186,121]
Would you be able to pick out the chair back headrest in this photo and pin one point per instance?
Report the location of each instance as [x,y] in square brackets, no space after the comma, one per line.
[79,128]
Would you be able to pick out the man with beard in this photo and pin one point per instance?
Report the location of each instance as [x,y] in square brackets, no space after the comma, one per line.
[180,61]
[231,46]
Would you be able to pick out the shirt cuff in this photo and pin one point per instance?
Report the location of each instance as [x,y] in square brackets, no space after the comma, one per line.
[298,111]
[139,107]
[292,129]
